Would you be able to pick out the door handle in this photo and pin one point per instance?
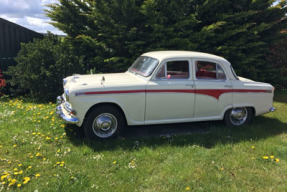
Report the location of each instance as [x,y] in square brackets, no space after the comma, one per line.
[189,85]
[228,86]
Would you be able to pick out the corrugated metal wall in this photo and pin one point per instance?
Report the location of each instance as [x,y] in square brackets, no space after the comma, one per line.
[11,35]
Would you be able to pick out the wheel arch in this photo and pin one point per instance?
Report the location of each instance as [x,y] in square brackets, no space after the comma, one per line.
[103,104]
[246,106]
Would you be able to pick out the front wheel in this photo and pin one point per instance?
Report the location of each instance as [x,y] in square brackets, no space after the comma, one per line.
[104,122]
[238,116]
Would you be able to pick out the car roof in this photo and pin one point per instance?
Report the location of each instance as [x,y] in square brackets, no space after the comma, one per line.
[162,55]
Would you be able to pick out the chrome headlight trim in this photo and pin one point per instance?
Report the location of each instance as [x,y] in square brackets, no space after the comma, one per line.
[64,82]
[67,94]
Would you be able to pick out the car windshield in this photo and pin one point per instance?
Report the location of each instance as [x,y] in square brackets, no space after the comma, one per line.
[144,66]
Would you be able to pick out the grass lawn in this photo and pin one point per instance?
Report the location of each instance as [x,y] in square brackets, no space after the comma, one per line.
[38,152]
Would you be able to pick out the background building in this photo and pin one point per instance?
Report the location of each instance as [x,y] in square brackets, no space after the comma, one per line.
[11,36]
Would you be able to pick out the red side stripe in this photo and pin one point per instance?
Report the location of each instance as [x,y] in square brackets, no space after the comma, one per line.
[216,93]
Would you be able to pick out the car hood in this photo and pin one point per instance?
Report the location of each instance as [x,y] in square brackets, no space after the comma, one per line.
[108,80]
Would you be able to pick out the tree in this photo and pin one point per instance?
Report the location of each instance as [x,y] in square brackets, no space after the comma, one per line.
[277,60]
[111,33]
[41,67]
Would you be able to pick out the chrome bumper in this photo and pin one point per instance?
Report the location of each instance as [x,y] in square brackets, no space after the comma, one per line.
[272,109]
[63,113]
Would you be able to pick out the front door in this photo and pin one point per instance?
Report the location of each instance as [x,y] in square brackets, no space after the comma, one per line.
[170,94]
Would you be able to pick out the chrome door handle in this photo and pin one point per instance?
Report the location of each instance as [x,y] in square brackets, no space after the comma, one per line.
[228,86]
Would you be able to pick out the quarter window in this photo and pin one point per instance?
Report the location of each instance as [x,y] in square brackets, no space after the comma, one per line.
[174,70]
[209,70]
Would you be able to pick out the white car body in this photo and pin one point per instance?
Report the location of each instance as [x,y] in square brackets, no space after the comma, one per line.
[153,100]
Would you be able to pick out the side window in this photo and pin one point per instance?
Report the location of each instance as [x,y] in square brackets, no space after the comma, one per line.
[209,70]
[174,70]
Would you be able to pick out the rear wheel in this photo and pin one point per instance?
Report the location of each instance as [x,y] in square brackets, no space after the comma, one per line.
[238,116]
[104,122]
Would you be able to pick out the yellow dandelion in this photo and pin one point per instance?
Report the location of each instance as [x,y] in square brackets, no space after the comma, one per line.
[19,185]
[26,180]
[31,157]
[59,150]
[33,133]
[272,157]
[29,167]
[187,188]
[265,157]
[1,146]
[114,162]
[3,177]
[37,175]
[15,169]
[277,160]
[252,147]
[38,155]
[56,138]
[44,159]
[221,168]
[14,146]
[3,183]
[48,138]
[20,165]
[20,172]
[11,184]
[9,162]
[16,173]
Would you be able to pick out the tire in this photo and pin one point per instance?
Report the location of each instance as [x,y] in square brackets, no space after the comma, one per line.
[238,116]
[104,122]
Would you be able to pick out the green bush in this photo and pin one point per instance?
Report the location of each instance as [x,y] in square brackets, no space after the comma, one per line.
[41,66]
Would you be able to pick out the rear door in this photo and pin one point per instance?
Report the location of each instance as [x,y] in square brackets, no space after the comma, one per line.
[213,89]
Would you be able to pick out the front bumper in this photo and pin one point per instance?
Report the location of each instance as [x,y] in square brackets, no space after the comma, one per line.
[63,113]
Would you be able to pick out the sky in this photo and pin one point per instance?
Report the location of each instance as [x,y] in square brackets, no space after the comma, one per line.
[29,14]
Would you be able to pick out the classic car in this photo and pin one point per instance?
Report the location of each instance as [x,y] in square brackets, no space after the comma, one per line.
[163,87]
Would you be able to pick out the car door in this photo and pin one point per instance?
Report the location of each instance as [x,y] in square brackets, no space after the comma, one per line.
[170,93]
[213,89]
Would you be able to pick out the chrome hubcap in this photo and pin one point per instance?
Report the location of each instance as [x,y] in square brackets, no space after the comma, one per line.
[238,116]
[105,125]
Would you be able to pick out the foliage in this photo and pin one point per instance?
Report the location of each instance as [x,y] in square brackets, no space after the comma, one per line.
[41,67]
[277,59]
[111,33]
[41,153]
